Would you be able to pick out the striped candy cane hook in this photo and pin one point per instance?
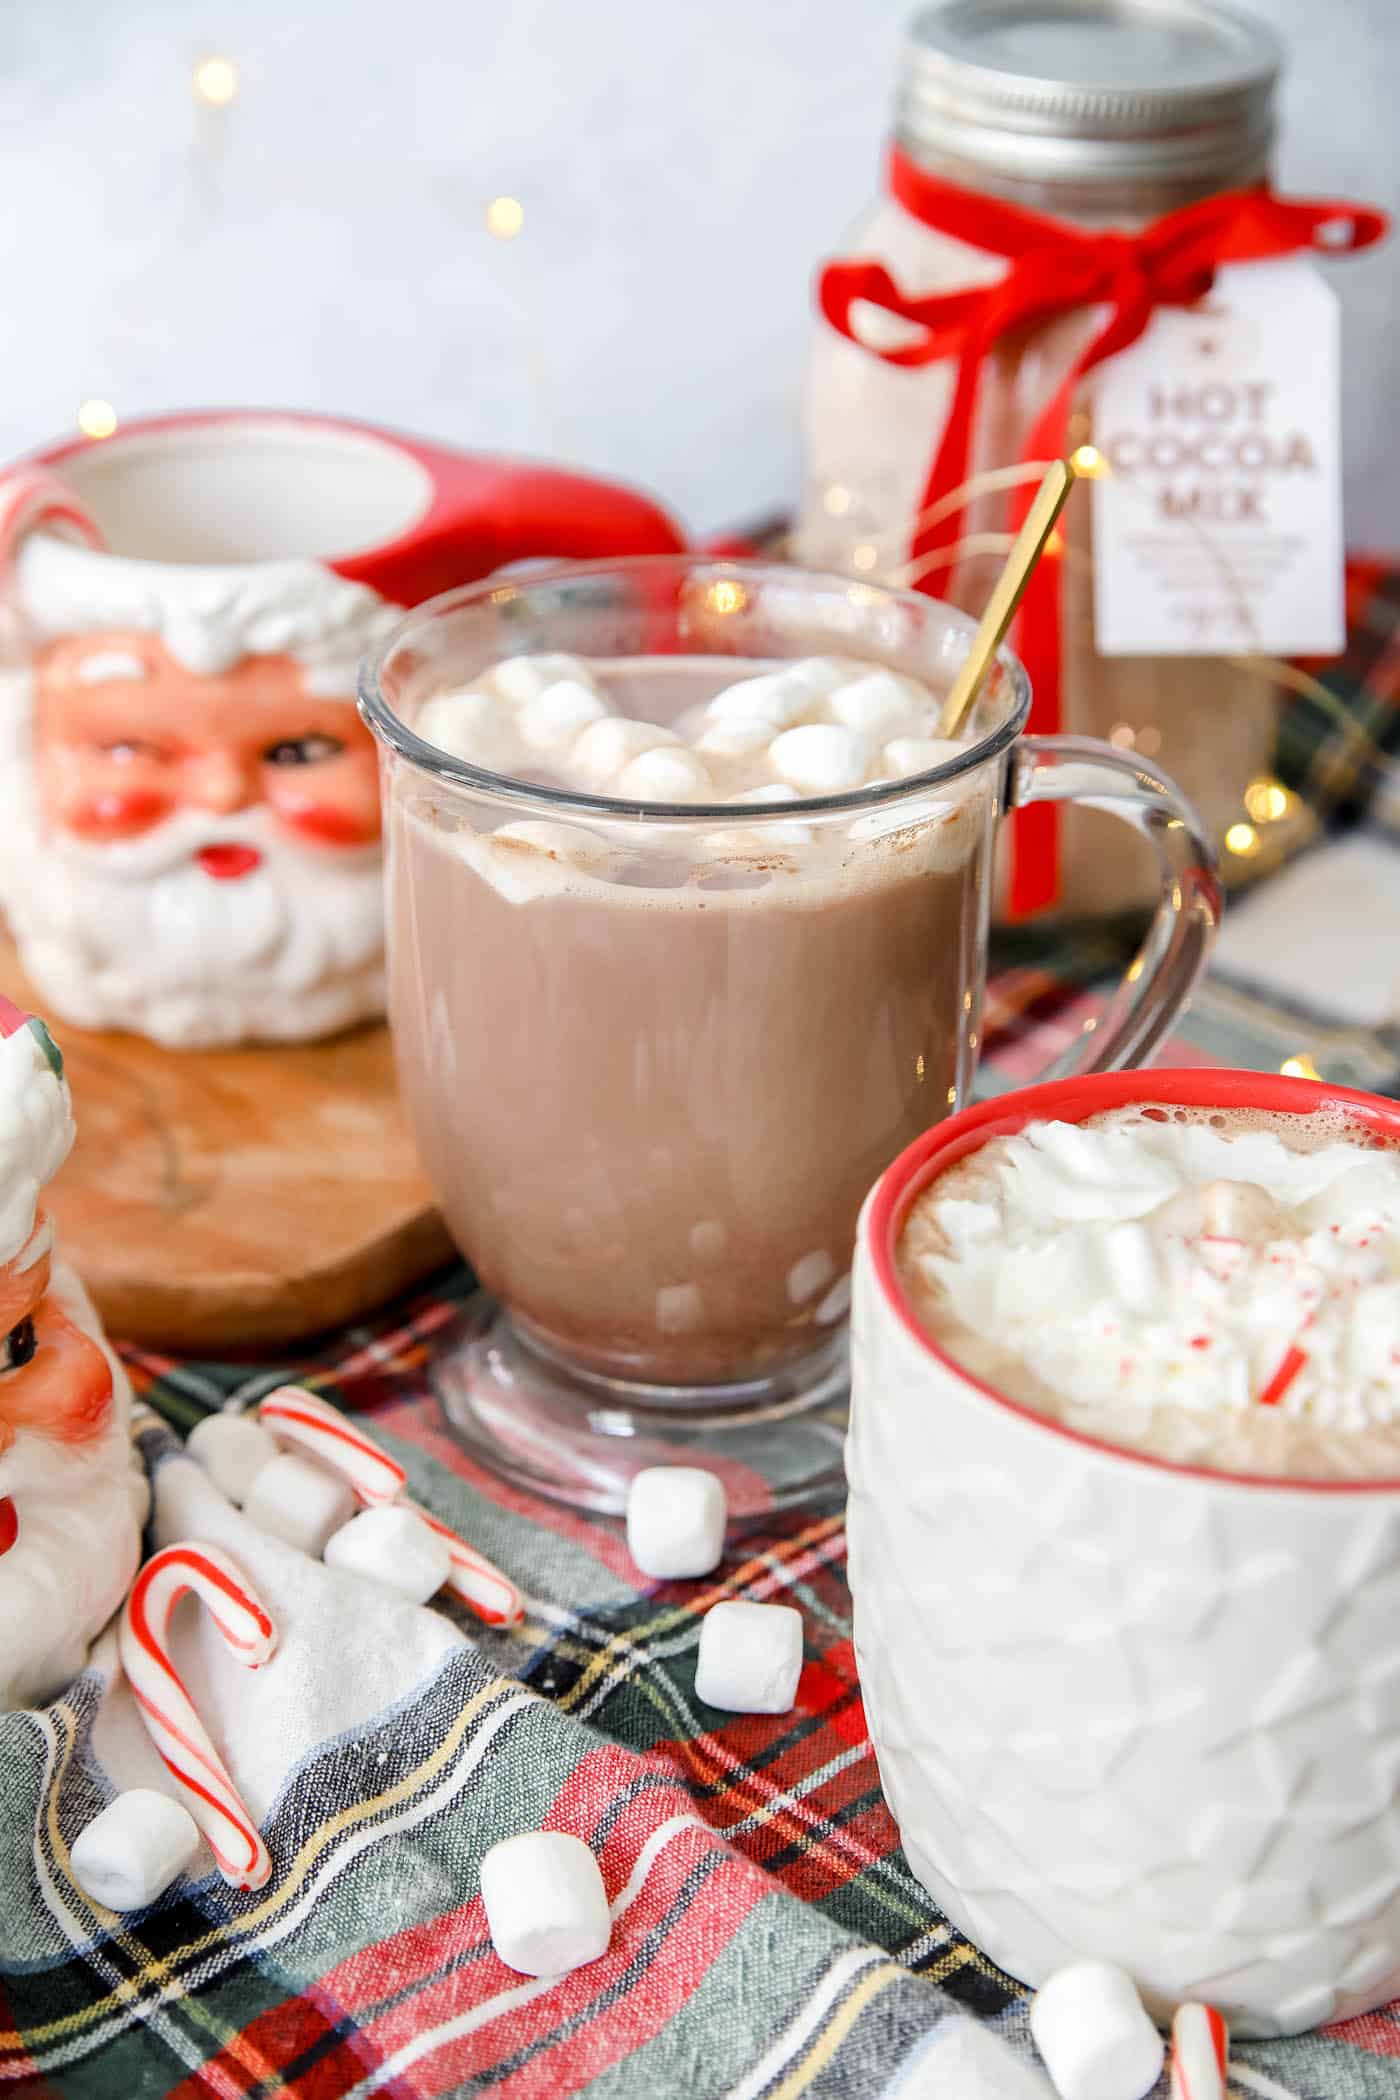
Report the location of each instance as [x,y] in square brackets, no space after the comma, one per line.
[295,1416]
[166,1707]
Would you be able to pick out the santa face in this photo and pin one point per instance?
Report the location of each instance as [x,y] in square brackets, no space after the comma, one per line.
[53,1376]
[71,1497]
[124,738]
[206,850]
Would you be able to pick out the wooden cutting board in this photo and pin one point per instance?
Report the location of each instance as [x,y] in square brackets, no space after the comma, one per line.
[236,1199]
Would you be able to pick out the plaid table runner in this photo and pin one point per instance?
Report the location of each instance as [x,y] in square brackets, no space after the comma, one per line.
[769,1938]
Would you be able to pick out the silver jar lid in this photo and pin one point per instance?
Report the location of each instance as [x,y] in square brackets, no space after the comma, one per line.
[1092,92]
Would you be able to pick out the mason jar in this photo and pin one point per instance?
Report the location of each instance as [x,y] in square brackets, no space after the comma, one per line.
[1105,116]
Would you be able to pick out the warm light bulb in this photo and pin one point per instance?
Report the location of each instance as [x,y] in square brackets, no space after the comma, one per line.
[837,501]
[1242,839]
[97,419]
[1149,740]
[1088,462]
[504,217]
[1266,801]
[864,556]
[216,81]
[1055,544]
[1300,1067]
[726,597]
[1123,735]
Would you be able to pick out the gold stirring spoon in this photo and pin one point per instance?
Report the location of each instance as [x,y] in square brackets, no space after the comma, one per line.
[1029,545]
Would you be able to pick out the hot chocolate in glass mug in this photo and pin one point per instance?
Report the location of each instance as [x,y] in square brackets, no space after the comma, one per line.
[189,808]
[669,992]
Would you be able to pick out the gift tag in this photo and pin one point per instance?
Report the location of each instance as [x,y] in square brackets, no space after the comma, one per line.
[1218,523]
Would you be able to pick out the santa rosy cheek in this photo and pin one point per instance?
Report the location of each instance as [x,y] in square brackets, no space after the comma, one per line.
[114,813]
[326,824]
[66,1388]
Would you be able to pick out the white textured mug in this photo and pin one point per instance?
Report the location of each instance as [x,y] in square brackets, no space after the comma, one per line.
[1123,1708]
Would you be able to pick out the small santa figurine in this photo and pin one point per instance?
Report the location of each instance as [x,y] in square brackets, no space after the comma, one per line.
[189,803]
[73,1495]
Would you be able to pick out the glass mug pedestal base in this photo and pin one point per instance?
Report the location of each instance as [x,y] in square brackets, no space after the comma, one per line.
[777,1443]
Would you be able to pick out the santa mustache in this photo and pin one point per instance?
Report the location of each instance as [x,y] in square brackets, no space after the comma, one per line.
[47,1479]
[188,836]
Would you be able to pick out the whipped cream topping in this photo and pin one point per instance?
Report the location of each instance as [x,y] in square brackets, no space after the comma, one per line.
[818,726]
[1150,1260]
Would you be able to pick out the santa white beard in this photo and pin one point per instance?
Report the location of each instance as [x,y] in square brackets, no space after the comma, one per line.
[79,1509]
[135,934]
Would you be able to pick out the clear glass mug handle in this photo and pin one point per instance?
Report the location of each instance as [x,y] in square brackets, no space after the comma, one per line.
[1176,947]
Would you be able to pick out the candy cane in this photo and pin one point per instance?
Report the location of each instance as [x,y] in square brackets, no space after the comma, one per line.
[298,1417]
[295,1416]
[480,1586]
[1290,1364]
[1200,2049]
[31,497]
[166,1708]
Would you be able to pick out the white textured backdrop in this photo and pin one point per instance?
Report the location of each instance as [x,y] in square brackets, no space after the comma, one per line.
[682,164]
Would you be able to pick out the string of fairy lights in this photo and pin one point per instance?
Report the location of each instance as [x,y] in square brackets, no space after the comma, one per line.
[1268,804]
[215,84]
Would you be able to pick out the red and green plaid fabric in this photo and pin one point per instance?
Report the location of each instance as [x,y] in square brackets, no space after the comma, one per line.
[770,1939]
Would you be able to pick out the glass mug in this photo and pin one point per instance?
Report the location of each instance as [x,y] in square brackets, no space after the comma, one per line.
[655,1055]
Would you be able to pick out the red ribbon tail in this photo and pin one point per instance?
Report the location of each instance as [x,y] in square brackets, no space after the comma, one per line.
[948,470]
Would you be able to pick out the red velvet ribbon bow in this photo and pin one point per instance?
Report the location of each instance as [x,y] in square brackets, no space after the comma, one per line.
[1055,268]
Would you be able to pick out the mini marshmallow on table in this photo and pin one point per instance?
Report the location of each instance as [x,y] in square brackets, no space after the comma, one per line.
[130,1853]
[299,1503]
[545,1903]
[393,1546]
[675,1521]
[750,1657]
[1097,2042]
[232,1450]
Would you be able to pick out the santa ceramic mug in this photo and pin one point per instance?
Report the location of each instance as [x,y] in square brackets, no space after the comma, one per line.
[73,1493]
[1124,1709]
[189,805]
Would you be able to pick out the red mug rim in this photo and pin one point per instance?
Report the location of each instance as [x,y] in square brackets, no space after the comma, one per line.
[1071,1101]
